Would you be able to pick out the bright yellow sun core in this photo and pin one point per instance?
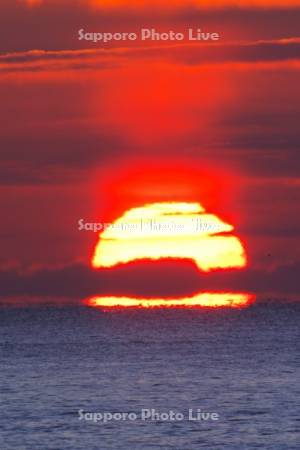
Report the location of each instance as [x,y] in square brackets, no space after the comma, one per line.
[170,230]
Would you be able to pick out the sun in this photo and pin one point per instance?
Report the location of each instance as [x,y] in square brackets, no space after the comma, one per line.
[202,300]
[170,230]
[176,230]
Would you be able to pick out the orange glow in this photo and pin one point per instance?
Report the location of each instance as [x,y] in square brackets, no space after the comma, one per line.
[204,300]
[33,2]
[178,3]
[196,3]
[155,95]
[170,230]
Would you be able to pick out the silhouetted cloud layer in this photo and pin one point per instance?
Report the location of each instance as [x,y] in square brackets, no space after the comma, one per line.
[145,279]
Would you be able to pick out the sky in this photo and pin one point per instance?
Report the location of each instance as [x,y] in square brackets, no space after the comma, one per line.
[88,130]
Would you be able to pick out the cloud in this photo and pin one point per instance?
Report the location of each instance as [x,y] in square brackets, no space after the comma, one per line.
[145,279]
[165,4]
[71,123]
[53,25]
[249,53]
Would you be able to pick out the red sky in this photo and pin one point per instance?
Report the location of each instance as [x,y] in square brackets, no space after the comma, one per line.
[73,114]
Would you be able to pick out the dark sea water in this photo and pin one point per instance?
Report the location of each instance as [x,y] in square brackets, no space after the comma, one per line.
[241,364]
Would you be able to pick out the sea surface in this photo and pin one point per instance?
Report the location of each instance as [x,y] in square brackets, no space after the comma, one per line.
[242,365]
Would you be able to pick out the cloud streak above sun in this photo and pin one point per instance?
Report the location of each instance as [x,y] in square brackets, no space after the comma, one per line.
[276,51]
[111,4]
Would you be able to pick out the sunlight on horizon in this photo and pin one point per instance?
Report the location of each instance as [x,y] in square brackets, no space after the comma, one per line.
[203,300]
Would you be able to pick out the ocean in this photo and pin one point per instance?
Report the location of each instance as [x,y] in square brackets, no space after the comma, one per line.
[77,378]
